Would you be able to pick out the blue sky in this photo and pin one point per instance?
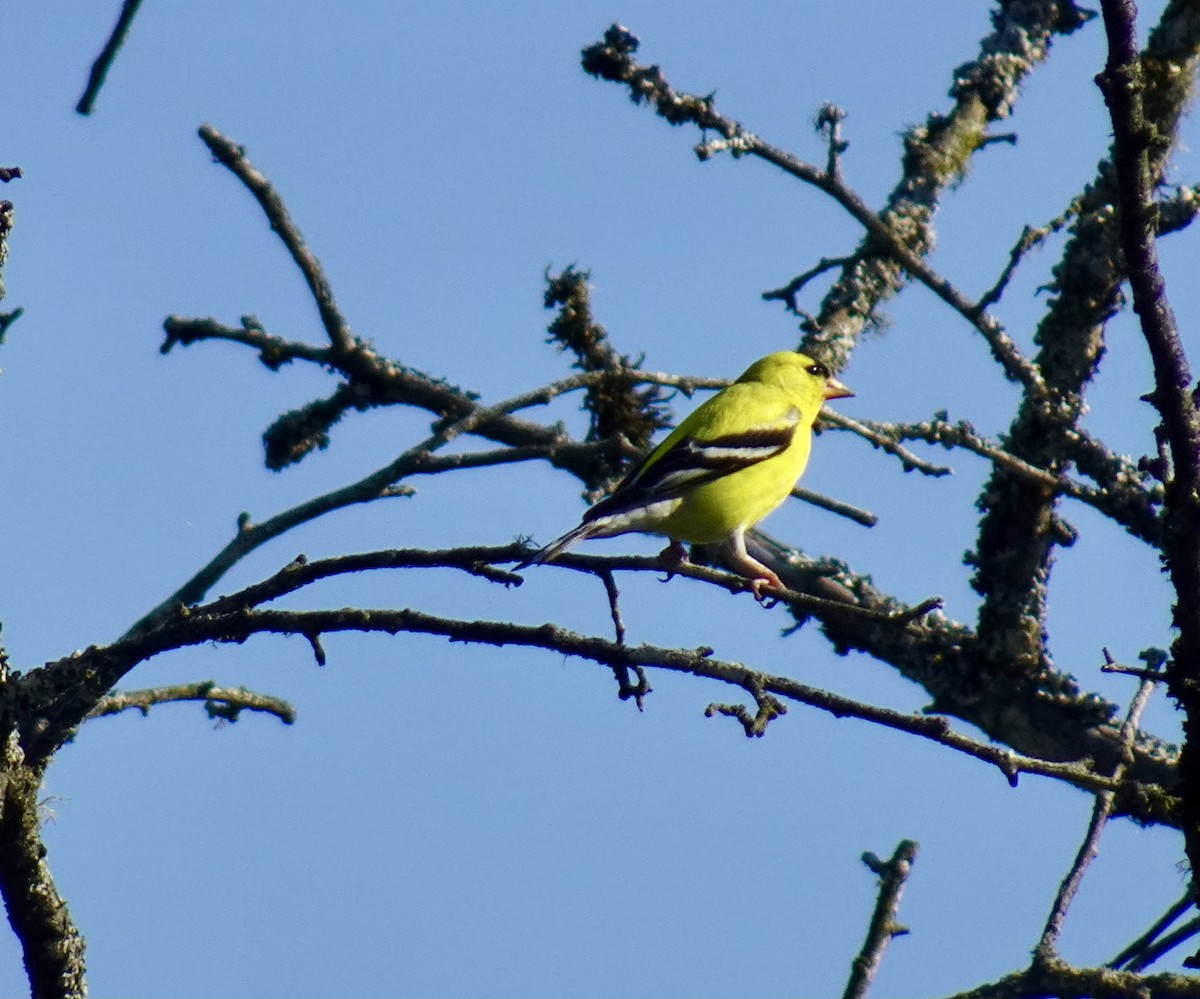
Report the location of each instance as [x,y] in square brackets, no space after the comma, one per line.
[446,820]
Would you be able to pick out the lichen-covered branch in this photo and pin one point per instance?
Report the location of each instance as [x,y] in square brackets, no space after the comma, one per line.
[890,238]
[937,153]
[52,947]
[618,408]
[222,703]
[1139,141]
[1049,717]
[1123,495]
[1062,981]
[1020,529]
[66,691]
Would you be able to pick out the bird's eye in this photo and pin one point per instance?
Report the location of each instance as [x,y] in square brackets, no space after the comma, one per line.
[818,369]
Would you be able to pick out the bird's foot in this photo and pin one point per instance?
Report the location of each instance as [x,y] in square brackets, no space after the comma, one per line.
[757,584]
[671,558]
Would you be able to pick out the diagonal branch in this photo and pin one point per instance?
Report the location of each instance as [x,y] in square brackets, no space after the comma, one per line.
[370,487]
[65,689]
[104,60]
[1102,809]
[612,59]
[1147,948]
[233,156]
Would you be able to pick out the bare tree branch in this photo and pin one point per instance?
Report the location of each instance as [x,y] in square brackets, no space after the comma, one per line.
[108,54]
[883,927]
[233,156]
[1047,947]
[612,59]
[1029,238]
[1145,950]
[877,436]
[836,506]
[224,703]
[64,687]
[1126,501]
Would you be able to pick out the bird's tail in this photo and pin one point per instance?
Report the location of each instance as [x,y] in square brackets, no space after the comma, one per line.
[558,546]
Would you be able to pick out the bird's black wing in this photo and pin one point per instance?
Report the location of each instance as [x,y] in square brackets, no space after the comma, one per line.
[690,463]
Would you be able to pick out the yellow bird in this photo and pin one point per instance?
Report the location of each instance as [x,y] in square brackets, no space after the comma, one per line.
[722,470]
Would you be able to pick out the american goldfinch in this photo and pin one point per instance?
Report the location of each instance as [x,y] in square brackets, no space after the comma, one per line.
[722,470]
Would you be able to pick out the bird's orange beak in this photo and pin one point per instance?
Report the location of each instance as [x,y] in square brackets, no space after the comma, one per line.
[835,389]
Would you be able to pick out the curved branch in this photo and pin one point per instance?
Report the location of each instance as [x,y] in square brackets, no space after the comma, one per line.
[224,703]
[102,668]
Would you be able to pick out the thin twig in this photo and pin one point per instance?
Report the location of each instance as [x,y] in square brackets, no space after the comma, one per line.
[625,689]
[1101,810]
[883,927]
[880,439]
[1167,943]
[1137,952]
[840,507]
[1029,238]
[614,603]
[233,156]
[788,292]
[828,123]
[612,59]
[105,59]
[228,620]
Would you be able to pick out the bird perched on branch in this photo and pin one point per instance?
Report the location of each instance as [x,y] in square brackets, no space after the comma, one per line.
[722,470]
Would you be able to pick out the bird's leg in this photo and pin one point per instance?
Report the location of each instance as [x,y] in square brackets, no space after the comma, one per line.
[672,557]
[742,562]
